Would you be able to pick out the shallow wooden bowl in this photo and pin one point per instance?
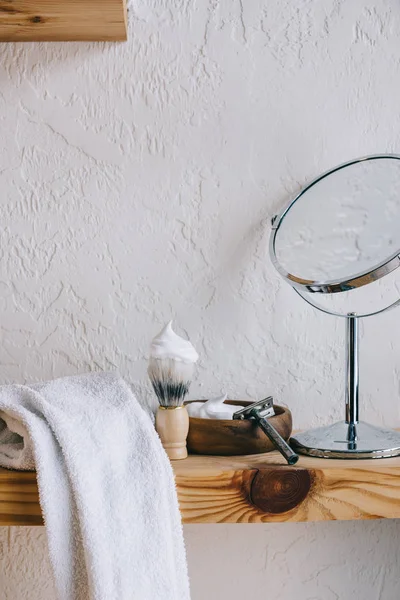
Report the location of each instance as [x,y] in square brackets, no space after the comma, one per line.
[229,438]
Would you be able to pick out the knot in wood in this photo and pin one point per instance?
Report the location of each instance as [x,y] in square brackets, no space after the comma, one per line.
[280,490]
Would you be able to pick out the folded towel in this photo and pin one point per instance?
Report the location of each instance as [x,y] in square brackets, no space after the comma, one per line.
[106,487]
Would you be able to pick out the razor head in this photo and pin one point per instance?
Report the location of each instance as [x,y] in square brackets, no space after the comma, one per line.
[265,408]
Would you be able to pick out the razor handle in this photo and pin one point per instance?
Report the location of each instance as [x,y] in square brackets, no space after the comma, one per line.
[275,438]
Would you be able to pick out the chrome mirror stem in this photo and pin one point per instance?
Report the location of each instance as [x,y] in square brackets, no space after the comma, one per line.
[352,376]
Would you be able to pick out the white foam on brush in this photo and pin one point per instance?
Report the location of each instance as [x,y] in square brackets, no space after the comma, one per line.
[168,345]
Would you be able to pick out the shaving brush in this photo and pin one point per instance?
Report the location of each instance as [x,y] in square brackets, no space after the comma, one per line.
[170,369]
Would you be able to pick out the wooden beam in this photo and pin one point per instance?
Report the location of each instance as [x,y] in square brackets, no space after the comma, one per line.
[251,489]
[63,20]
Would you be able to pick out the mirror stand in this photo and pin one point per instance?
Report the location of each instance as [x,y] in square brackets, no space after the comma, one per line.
[350,438]
[340,233]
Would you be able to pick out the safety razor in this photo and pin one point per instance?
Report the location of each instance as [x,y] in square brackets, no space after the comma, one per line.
[259,412]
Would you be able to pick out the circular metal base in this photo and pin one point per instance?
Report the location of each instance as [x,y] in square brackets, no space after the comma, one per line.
[342,440]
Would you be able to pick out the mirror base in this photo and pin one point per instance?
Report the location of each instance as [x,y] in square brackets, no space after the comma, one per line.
[334,441]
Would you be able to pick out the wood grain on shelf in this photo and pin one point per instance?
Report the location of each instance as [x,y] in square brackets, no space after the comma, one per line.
[261,489]
[251,489]
[19,499]
[63,20]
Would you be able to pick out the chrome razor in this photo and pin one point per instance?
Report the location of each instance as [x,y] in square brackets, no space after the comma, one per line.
[259,411]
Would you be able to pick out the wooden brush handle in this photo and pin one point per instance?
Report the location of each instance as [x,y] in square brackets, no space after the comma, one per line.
[172,425]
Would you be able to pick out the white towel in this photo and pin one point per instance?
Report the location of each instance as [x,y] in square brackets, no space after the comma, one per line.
[106,487]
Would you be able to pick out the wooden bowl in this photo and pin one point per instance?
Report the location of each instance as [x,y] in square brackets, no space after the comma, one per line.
[229,438]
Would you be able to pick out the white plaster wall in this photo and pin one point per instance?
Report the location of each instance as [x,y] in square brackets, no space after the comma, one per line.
[137,181]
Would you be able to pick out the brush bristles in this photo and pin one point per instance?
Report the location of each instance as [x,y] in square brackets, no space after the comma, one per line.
[170,379]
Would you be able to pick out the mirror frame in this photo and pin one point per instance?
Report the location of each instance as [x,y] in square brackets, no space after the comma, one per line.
[336,285]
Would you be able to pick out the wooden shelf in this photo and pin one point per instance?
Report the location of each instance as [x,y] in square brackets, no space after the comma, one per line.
[63,20]
[251,489]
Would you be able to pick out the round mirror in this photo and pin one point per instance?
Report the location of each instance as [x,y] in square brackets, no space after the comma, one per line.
[343,230]
[339,234]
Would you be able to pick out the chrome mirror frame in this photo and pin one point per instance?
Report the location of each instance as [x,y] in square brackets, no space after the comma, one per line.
[337,285]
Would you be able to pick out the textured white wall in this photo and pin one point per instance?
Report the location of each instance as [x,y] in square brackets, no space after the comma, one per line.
[137,182]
